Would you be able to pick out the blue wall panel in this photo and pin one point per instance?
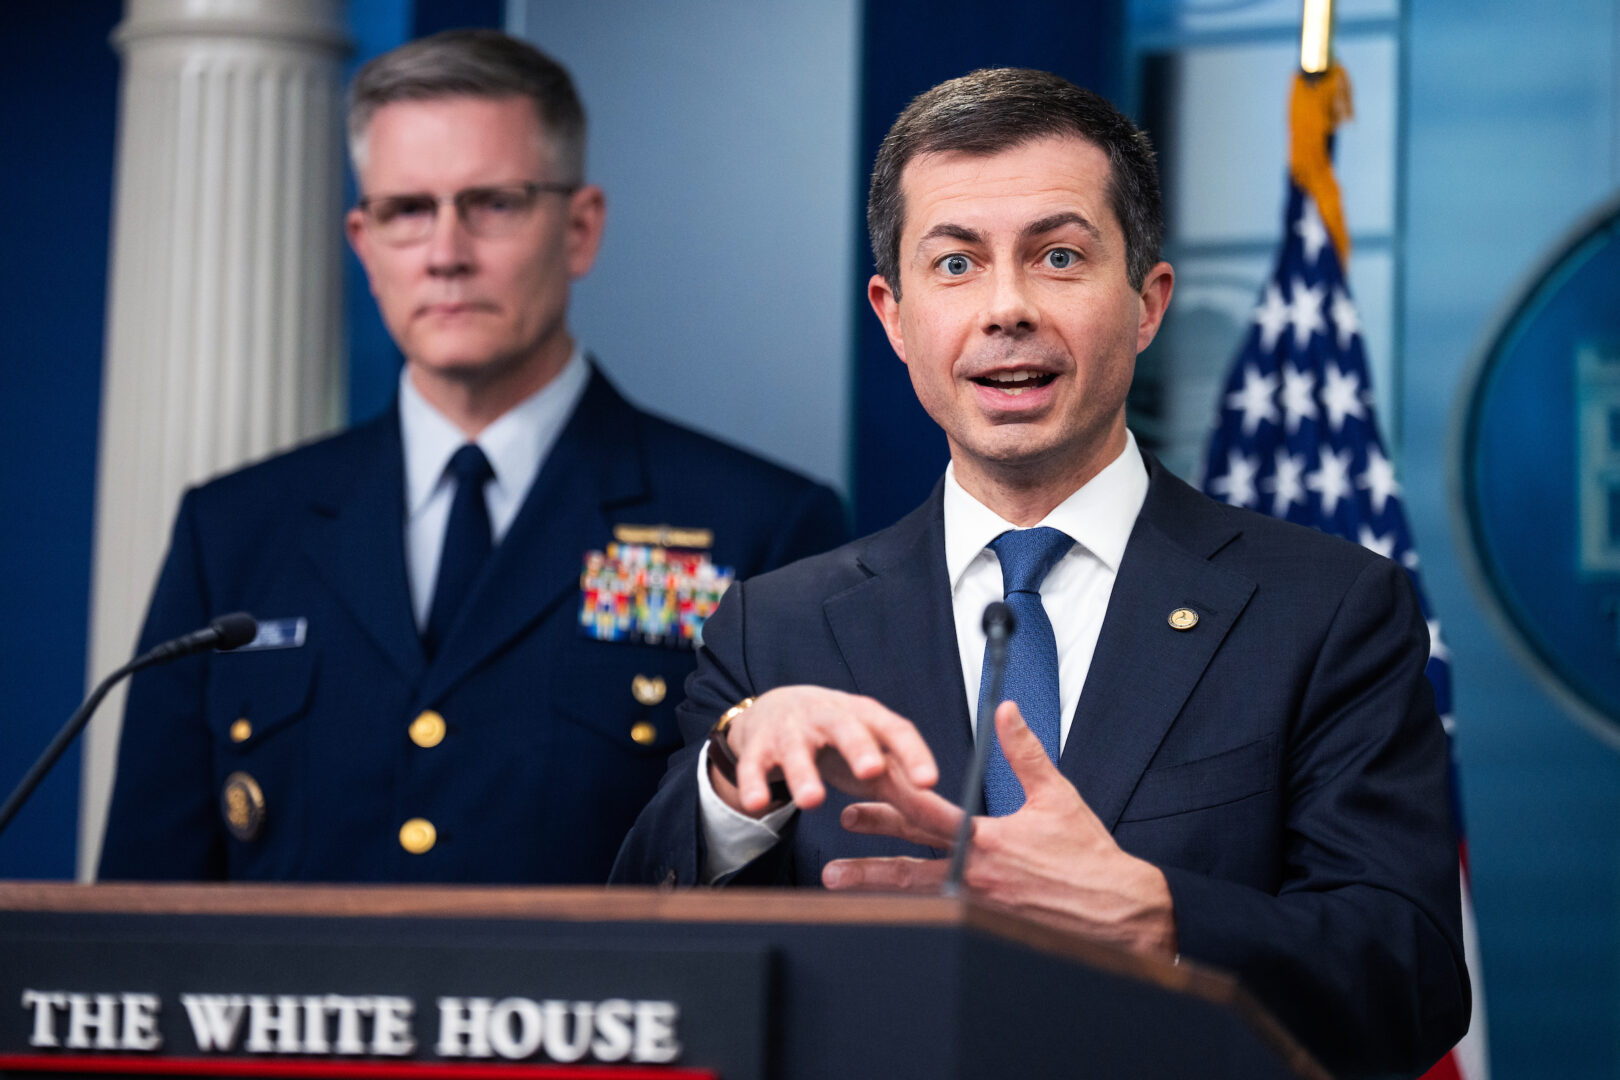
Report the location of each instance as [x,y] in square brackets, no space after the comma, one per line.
[59,83]
[907,47]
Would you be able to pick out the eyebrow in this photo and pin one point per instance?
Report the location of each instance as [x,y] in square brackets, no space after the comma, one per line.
[951,232]
[947,230]
[1057,221]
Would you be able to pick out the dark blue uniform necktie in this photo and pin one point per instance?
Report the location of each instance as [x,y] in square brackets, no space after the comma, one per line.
[466,544]
[1027,556]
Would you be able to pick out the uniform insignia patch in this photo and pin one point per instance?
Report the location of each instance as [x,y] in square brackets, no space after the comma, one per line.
[649,593]
[242,805]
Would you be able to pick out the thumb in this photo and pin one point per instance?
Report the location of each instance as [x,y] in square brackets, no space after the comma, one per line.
[1024,751]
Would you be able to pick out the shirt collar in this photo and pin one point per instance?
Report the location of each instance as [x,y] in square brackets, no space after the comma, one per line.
[515,444]
[1099,516]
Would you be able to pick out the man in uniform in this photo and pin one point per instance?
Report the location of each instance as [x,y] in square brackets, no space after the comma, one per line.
[432,696]
[1220,743]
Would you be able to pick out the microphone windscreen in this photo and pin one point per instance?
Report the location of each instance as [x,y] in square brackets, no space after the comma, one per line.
[997,616]
[234,630]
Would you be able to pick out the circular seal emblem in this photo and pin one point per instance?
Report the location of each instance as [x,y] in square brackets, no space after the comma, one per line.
[242,804]
[1537,472]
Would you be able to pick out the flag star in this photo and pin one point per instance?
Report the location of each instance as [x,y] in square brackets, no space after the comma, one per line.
[1449,725]
[1287,483]
[1410,559]
[1312,233]
[1437,644]
[1341,395]
[1332,480]
[1271,317]
[1306,312]
[1345,320]
[1378,479]
[1237,486]
[1257,399]
[1298,396]
[1383,545]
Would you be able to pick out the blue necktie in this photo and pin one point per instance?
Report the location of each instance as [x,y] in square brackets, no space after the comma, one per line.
[1031,679]
[466,544]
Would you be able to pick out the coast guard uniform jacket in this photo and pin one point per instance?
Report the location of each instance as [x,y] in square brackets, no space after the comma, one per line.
[521,753]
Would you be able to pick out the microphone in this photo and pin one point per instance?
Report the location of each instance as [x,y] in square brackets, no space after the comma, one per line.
[224,633]
[998,627]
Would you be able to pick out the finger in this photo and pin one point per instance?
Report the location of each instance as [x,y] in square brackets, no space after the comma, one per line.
[1024,752]
[926,810]
[887,875]
[881,819]
[901,738]
[860,751]
[803,778]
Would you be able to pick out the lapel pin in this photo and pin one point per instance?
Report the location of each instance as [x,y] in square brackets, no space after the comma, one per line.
[1183,618]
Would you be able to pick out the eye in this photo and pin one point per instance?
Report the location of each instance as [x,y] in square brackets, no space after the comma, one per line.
[1062,258]
[494,201]
[403,208]
[956,265]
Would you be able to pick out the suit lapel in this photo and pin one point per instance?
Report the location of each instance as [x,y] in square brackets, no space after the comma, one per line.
[884,630]
[595,464]
[1144,669]
[356,540]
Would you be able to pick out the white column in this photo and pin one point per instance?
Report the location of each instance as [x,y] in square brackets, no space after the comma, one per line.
[225,301]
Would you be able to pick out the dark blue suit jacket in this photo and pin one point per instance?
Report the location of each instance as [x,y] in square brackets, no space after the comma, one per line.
[1281,762]
[538,776]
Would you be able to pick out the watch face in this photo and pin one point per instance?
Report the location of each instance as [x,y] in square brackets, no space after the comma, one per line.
[1538,472]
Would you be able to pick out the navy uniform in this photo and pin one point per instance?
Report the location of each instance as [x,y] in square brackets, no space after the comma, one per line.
[337,751]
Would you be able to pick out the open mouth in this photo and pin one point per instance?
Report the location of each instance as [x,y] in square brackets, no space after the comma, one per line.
[1016,382]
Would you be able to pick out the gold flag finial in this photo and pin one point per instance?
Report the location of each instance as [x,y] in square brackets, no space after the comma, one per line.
[1316,37]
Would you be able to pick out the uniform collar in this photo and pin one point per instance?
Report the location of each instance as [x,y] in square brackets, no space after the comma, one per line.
[516,444]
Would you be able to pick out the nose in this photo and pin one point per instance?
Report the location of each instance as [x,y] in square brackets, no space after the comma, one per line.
[1009,308]
[449,247]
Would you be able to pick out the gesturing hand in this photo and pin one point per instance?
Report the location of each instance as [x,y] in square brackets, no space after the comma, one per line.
[815,736]
[1052,860]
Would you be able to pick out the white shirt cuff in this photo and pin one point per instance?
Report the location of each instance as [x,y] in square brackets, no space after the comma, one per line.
[732,839]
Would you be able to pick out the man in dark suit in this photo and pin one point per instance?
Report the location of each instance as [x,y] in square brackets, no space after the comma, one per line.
[1219,745]
[477,610]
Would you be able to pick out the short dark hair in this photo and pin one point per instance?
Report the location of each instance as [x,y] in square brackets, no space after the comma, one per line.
[473,63]
[994,109]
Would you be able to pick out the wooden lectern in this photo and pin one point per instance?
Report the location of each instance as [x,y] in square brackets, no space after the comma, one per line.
[335,981]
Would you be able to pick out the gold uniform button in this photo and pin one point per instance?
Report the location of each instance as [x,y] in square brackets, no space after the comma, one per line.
[644,733]
[242,730]
[418,836]
[648,691]
[427,730]
[1183,618]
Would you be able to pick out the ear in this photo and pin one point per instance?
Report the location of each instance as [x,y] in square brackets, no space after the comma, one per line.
[354,226]
[1157,286]
[887,307]
[587,215]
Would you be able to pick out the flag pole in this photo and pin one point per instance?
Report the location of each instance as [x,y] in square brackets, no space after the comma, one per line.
[1316,37]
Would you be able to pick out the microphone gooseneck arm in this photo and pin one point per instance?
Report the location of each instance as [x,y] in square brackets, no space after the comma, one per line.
[224,633]
[998,627]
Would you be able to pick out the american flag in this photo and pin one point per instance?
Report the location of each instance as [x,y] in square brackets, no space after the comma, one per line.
[1296,438]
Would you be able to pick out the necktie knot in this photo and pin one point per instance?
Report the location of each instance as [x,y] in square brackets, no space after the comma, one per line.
[469,466]
[1027,556]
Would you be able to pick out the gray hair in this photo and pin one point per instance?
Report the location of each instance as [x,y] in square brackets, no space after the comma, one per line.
[996,109]
[473,63]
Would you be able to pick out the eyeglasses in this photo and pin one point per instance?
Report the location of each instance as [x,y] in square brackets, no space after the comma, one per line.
[486,212]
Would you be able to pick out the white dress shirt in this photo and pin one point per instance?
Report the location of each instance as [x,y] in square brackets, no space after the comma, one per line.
[1099,517]
[516,444]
